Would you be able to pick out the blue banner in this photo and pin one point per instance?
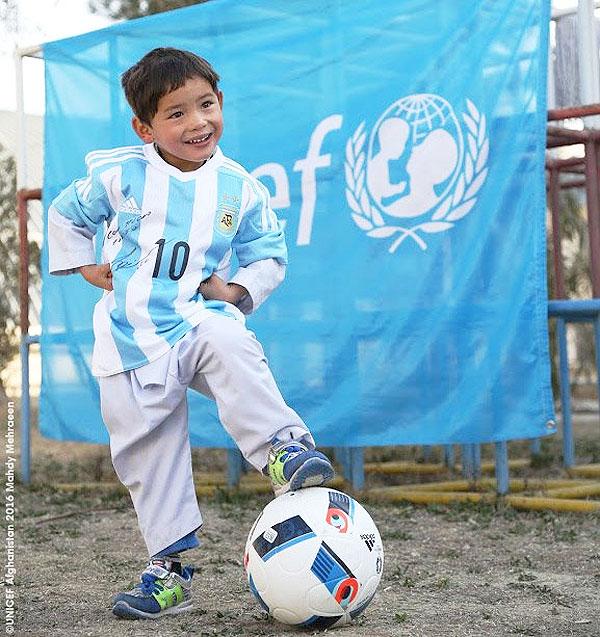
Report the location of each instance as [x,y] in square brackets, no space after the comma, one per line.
[403,145]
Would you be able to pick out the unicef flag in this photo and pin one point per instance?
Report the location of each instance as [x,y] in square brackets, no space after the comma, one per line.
[403,146]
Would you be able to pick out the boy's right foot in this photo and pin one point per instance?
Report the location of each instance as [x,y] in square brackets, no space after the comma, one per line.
[161,591]
[294,464]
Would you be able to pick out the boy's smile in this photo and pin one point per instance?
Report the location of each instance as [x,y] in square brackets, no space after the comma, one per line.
[187,125]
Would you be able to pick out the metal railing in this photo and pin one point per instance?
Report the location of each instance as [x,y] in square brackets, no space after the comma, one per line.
[23,197]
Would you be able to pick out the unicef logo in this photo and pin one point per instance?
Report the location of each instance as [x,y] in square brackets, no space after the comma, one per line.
[416,164]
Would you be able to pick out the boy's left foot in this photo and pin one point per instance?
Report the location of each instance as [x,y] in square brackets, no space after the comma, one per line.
[294,465]
[161,591]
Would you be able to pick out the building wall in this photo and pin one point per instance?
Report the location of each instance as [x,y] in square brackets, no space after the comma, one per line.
[34,131]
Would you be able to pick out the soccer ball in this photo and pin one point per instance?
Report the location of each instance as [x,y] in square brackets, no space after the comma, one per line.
[314,558]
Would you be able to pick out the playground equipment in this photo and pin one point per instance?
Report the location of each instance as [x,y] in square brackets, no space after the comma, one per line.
[560,172]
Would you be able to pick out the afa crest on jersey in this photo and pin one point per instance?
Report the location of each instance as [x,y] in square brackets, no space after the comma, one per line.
[229,202]
[226,219]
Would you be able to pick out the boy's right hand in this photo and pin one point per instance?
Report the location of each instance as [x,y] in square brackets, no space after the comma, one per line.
[98,275]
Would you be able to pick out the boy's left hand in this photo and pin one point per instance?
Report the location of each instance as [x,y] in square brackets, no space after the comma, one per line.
[214,288]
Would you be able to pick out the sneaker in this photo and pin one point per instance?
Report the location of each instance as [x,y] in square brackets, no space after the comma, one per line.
[164,589]
[294,464]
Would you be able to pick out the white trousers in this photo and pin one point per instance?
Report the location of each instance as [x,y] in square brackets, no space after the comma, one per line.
[146,413]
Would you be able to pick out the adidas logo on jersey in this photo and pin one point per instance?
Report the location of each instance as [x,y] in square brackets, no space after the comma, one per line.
[130,205]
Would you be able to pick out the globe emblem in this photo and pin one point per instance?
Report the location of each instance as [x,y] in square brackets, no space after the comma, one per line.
[415,155]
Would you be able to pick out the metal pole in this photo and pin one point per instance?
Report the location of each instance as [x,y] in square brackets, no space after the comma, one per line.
[565,393]
[449,456]
[573,111]
[467,462]
[357,468]
[593,211]
[554,196]
[21,126]
[502,481]
[234,467]
[551,84]
[342,457]
[24,326]
[597,345]
[574,136]
[25,412]
[23,196]
[575,183]
[566,164]
[22,177]
[476,461]
[559,276]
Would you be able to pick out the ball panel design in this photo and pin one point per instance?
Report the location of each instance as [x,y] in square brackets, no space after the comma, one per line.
[320,623]
[287,616]
[256,594]
[292,562]
[357,610]
[282,535]
[329,568]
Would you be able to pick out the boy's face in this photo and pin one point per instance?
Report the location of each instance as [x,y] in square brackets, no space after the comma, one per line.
[187,125]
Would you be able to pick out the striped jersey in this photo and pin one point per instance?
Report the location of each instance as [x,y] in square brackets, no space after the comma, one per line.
[164,231]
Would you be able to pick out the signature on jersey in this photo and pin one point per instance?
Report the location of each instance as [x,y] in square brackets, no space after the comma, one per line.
[133,260]
[115,235]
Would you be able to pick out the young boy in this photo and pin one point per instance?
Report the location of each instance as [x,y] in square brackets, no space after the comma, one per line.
[174,210]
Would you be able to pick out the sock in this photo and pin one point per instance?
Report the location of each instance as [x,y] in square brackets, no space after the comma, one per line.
[189,541]
[171,562]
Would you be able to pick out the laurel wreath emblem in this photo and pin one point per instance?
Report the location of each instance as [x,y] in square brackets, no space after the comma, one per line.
[456,205]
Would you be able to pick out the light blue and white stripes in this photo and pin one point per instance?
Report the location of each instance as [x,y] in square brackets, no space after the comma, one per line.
[165,231]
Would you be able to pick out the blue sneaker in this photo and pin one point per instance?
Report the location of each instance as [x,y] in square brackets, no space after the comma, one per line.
[164,589]
[295,464]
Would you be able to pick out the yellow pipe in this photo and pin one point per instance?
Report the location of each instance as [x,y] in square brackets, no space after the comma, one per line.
[396,494]
[490,467]
[203,490]
[253,480]
[393,467]
[401,494]
[71,487]
[577,491]
[556,483]
[404,467]
[210,490]
[515,485]
[220,479]
[448,485]
[552,504]
[585,470]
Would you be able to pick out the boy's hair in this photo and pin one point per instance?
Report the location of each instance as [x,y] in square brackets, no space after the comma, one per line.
[159,72]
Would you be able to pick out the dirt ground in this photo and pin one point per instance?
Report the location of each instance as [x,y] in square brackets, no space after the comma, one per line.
[452,571]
